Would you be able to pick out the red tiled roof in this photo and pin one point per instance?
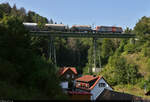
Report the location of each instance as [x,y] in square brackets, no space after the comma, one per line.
[64,69]
[79,93]
[95,83]
[86,78]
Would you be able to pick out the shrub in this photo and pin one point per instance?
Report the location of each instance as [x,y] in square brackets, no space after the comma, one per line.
[129,48]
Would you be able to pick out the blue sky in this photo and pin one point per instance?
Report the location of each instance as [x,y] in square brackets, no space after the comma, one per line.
[124,13]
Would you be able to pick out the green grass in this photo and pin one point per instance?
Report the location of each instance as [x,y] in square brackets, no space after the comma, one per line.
[131,89]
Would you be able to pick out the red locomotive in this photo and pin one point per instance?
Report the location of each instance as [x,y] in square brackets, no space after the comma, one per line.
[108,29]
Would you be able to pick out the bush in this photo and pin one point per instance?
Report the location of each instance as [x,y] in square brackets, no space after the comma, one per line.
[145,84]
[129,48]
[145,52]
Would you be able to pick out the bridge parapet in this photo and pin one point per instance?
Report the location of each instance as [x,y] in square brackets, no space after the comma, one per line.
[84,35]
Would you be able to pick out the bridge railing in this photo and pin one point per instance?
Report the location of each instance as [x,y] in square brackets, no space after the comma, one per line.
[81,34]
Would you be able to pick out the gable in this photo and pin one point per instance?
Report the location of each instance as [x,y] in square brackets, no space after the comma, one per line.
[91,85]
[65,69]
[98,88]
[102,80]
[107,83]
[69,71]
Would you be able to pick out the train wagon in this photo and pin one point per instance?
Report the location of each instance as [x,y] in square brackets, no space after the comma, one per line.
[108,29]
[55,27]
[81,28]
[31,26]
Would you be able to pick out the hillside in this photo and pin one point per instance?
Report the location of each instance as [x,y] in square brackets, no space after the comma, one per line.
[128,67]
[138,87]
[25,73]
[142,63]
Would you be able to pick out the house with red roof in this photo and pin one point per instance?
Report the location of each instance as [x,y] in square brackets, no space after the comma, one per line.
[93,84]
[67,76]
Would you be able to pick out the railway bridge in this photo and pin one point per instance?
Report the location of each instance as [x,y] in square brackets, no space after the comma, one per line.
[96,36]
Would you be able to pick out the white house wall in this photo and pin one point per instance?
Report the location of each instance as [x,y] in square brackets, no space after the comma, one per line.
[98,90]
[64,85]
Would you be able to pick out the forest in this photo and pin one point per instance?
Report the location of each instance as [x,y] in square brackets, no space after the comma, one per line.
[26,72]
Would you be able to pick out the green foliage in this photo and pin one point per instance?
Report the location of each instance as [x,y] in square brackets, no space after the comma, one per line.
[145,52]
[128,30]
[5,9]
[119,50]
[142,28]
[132,73]
[124,44]
[146,49]
[28,72]
[148,64]
[33,17]
[87,70]
[119,72]
[142,83]
[40,25]
[129,48]
[145,84]
[107,48]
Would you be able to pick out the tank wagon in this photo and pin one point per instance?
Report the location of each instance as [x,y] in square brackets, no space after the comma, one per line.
[31,26]
[81,28]
[47,27]
[55,27]
[108,29]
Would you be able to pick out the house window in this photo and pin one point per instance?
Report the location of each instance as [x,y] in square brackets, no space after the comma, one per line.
[102,84]
[68,75]
[72,75]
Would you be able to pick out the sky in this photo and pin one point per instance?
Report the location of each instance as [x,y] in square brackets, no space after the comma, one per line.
[124,13]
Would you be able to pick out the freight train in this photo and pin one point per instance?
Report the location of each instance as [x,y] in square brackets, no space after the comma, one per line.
[74,28]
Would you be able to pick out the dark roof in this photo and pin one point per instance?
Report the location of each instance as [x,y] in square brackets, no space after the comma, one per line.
[113,95]
[147,93]
[64,69]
